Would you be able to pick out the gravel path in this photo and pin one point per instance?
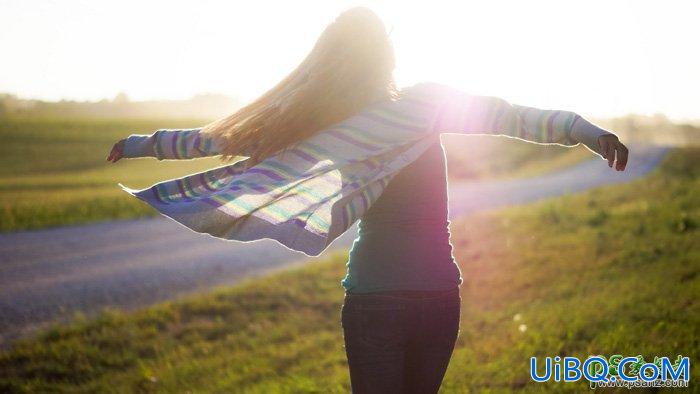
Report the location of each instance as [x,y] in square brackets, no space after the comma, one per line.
[47,275]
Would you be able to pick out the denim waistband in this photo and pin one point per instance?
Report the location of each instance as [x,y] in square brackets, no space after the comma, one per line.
[406,294]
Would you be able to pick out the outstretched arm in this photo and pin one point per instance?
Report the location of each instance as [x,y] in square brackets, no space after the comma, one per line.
[165,144]
[458,112]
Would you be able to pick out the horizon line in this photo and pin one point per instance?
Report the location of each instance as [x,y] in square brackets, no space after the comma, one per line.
[694,121]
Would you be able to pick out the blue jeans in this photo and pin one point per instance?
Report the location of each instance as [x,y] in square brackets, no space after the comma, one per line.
[400,342]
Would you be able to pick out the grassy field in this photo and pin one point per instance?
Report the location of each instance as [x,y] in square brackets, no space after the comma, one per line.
[611,271]
[53,172]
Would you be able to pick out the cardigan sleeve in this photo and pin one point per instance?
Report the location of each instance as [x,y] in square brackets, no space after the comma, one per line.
[458,112]
[171,144]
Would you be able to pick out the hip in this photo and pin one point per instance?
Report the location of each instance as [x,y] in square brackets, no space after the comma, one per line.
[403,300]
[387,317]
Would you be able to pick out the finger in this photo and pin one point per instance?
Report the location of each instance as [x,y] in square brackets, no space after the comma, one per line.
[603,148]
[622,155]
[610,155]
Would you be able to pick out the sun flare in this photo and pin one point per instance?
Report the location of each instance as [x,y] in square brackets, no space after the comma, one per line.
[599,58]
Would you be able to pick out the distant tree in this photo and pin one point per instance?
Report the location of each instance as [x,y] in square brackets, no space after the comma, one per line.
[121,98]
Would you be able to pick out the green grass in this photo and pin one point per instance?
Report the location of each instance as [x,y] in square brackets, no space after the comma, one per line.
[53,171]
[611,271]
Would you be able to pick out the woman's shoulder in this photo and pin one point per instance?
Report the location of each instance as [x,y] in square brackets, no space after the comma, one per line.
[424,86]
[428,90]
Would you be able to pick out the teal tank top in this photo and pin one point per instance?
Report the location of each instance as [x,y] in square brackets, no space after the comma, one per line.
[404,238]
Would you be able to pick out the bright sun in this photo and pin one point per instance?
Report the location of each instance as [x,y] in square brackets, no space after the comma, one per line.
[597,57]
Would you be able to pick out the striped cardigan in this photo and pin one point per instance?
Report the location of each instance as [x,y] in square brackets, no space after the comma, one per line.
[311,193]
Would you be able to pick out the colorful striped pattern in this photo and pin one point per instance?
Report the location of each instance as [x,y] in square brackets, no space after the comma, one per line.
[309,195]
[182,144]
[462,113]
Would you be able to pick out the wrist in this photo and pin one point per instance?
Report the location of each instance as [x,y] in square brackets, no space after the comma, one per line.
[588,134]
[138,145]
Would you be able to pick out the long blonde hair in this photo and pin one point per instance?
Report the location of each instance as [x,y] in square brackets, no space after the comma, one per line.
[350,67]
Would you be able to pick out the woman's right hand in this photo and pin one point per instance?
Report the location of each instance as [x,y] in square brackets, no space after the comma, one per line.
[614,151]
[117,152]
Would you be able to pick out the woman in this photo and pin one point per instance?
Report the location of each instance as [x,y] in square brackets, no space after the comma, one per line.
[336,141]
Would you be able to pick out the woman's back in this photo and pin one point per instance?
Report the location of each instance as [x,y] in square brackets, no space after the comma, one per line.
[403,239]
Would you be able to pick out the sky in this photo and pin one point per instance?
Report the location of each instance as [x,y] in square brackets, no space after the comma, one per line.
[598,58]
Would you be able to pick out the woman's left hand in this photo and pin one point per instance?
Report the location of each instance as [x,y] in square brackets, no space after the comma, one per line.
[611,148]
[117,151]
